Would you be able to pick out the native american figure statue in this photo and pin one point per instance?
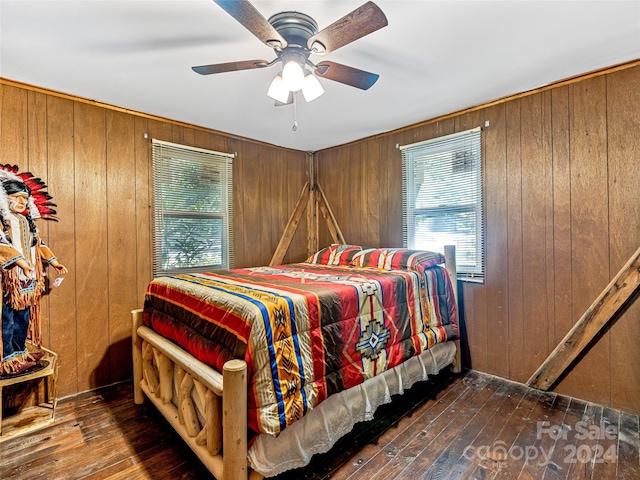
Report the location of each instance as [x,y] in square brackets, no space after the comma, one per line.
[23,256]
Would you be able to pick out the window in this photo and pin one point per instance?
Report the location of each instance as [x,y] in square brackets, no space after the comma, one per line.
[192,209]
[442,198]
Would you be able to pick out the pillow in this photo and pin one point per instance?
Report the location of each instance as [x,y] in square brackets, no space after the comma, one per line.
[335,254]
[397,259]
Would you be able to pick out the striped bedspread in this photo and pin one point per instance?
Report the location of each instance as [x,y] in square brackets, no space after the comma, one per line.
[306,331]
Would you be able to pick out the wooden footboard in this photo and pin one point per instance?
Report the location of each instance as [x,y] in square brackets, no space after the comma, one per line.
[173,380]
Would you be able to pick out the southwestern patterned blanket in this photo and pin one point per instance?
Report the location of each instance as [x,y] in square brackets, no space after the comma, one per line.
[306,331]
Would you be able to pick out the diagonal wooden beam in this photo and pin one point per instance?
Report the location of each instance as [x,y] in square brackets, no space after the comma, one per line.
[313,197]
[292,224]
[312,205]
[332,224]
[613,300]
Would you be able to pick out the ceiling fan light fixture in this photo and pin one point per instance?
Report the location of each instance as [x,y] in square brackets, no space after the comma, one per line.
[311,88]
[278,91]
[293,76]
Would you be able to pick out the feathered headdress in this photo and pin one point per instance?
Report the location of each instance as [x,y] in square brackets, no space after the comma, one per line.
[39,204]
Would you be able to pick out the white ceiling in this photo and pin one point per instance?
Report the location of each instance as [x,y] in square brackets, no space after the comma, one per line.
[434,57]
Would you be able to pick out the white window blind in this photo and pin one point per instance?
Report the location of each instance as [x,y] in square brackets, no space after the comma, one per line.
[442,198]
[193,209]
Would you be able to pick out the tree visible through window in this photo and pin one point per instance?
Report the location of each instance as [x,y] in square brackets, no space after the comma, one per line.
[442,198]
[193,209]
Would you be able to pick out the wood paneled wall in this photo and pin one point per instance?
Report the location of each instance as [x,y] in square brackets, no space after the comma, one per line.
[561,176]
[96,162]
[562,216]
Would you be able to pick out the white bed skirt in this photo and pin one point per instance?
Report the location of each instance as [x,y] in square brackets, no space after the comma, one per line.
[319,429]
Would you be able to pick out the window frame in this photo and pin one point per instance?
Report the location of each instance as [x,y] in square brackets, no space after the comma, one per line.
[162,154]
[468,141]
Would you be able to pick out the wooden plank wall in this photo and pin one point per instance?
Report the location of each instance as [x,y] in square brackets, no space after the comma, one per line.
[96,162]
[562,215]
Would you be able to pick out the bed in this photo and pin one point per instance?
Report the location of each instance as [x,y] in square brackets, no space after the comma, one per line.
[260,368]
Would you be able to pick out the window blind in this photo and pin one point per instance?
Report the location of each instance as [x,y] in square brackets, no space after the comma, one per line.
[442,198]
[193,209]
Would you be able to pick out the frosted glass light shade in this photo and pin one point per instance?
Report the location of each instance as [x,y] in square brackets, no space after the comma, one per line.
[311,88]
[293,76]
[278,91]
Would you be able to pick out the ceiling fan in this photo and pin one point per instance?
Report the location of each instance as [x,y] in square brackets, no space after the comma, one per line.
[294,36]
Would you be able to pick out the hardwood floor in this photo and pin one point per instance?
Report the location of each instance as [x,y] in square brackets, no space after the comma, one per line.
[473,426]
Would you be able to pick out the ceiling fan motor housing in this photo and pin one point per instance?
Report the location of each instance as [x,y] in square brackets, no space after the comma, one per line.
[296,28]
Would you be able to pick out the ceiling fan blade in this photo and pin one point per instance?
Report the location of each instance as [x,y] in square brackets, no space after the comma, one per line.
[230,67]
[347,75]
[362,21]
[245,13]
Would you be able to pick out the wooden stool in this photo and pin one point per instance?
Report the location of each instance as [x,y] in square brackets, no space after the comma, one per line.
[28,402]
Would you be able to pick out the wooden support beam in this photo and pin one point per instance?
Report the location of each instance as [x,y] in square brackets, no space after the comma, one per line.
[290,229]
[613,300]
[334,229]
[312,206]
[314,198]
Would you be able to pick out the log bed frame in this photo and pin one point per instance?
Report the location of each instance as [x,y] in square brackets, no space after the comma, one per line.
[160,367]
